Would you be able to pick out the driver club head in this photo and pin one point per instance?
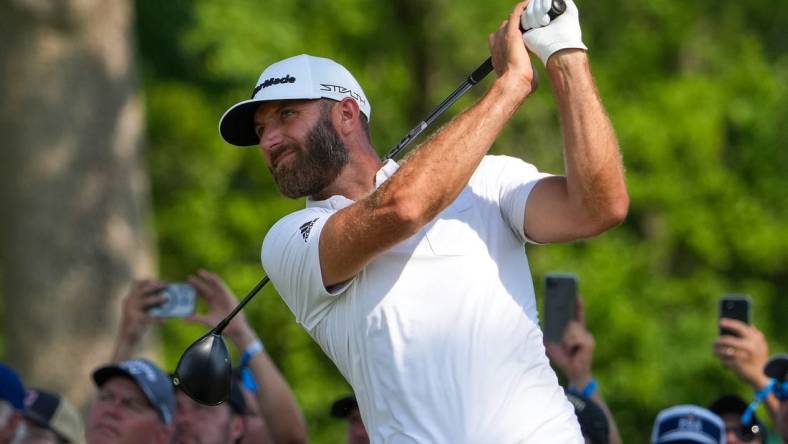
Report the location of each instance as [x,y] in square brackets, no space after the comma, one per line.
[204,372]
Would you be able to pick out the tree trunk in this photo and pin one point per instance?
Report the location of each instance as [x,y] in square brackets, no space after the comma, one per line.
[73,192]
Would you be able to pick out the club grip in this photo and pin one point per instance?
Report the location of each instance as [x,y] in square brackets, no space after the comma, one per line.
[558,7]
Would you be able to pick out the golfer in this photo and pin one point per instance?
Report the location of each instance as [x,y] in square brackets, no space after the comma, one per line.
[413,277]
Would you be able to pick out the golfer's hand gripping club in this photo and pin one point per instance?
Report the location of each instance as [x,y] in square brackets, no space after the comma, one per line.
[563,31]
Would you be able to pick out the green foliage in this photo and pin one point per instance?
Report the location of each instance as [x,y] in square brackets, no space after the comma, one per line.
[698,96]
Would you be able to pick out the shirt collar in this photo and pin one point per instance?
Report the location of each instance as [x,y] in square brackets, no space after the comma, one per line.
[337,202]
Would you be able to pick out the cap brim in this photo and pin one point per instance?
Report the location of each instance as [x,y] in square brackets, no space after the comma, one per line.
[777,367]
[728,404]
[237,124]
[341,407]
[103,374]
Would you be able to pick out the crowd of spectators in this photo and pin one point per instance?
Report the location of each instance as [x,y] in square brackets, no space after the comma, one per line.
[136,402]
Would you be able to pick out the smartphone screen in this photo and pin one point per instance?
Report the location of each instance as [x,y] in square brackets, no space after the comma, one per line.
[560,304]
[181,300]
[734,306]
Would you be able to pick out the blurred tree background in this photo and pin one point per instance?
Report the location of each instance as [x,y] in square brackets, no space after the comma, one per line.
[697,92]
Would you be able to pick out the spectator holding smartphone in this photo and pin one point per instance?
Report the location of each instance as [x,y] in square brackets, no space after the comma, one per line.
[745,352]
[573,356]
[280,421]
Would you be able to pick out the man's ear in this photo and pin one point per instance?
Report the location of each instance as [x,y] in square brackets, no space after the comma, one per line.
[164,434]
[348,116]
[237,427]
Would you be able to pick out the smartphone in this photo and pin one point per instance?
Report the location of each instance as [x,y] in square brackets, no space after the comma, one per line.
[560,304]
[181,300]
[734,306]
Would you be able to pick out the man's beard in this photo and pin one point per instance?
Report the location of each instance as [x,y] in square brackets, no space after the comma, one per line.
[315,165]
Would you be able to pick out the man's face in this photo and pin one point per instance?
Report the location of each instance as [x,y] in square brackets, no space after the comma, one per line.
[10,420]
[200,424]
[732,425]
[356,432]
[122,414]
[300,144]
[38,435]
[255,428]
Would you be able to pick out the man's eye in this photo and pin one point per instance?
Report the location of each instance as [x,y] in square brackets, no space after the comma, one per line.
[287,113]
[258,130]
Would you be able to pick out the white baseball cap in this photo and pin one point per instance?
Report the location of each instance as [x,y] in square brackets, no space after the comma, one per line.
[688,423]
[300,77]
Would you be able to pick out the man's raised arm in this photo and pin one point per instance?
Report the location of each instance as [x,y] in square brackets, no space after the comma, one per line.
[592,197]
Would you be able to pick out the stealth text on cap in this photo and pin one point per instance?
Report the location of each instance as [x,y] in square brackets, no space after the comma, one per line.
[342,90]
[274,81]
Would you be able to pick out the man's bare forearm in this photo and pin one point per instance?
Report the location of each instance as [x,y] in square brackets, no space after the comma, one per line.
[594,171]
[426,183]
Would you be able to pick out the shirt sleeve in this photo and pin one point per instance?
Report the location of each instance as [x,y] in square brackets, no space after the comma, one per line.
[291,257]
[514,179]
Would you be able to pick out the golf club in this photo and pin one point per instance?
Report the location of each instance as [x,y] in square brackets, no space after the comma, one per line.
[204,372]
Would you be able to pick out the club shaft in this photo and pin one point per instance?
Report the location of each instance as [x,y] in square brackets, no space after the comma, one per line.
[558,8]
[475,77]
[221,326]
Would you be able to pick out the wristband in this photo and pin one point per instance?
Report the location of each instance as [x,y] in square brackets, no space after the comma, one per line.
[781,390]
[760,396]
[587,391]
[251,351]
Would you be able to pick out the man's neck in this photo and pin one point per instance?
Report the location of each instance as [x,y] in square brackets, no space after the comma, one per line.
[357,178]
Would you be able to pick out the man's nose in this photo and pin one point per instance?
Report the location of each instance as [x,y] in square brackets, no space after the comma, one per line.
[270,138]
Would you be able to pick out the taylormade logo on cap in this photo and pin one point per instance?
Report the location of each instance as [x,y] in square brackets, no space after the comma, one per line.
[299,77]
[273,81]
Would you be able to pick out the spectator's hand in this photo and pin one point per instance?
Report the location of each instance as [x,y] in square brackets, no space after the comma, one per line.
[221,301]
[745,354]
[134,320]
[575,353]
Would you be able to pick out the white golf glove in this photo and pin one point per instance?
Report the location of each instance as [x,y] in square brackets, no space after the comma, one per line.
[544,37]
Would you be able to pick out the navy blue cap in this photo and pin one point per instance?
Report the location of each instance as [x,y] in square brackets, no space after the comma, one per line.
[11,388]
[688,423]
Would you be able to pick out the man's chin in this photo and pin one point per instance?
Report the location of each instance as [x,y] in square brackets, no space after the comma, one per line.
[104,434]
[184,438]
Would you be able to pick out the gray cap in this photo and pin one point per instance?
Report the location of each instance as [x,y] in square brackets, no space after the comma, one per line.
[153,382]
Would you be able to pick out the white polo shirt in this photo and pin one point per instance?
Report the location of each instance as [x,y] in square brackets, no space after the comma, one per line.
[439,336]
